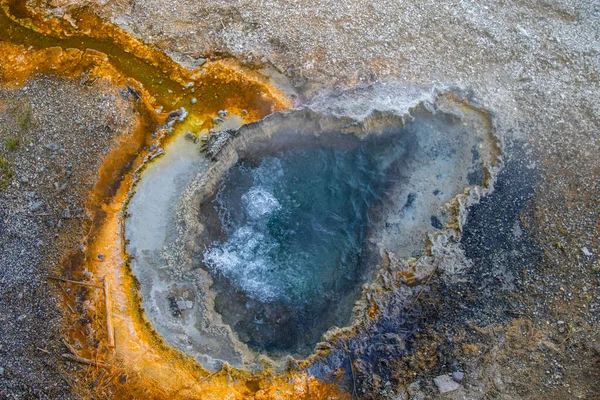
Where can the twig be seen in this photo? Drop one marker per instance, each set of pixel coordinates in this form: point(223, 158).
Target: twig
point(69, 347)
point(56, 278)
point(109, 324)
point(85, 360)
point(209, 376)
point(43, 350)
point(353, 375)
point(98, 379)
point(422, 289)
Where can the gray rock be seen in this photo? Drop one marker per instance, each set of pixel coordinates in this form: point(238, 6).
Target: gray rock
point(192, 137)
point(217, 120)
point(36, 206)
point(414, 388)
point(194, 100)
point(1, 371)
point(181, 304)
point(223, 113)
point(586, 252)
point(458, 376)
point(24, 179)
point(445, 384)
point(52, 146)
point(101, 257)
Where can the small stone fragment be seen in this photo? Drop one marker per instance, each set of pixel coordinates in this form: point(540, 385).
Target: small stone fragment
point(458, 376)
point(194, 100)
point(445, 384)
point(36, 206)
point(101, 257)
point(586, 252)
point(181, 304)
point(190, 136)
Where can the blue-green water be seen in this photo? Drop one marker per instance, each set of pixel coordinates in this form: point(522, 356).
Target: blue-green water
point(289, 253)
point(295, 223)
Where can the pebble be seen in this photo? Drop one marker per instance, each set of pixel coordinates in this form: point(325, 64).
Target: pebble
point(217, 120)
point(101, 257)
point(1, 371)
point(194, 100)
point(192, 137)
point(52, 146)
point(36, 206)
point(223, 113)
point(445, 384)
point(24, 179)
point(586, 252)
point(458, 376)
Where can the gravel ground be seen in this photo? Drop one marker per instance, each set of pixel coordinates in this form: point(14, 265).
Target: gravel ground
point(534, 65)
point(63, 129)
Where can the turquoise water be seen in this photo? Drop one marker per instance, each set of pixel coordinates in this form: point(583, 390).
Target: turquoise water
point(291, 243)
point(295, 223)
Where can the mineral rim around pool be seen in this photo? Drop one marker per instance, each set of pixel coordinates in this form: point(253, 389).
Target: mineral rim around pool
point(263, 242)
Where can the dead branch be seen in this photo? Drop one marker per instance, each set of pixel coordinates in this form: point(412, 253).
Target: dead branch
point(69, 347)
point(85, 360)
point(109, 324)
point(98, 379)
point(56, 278)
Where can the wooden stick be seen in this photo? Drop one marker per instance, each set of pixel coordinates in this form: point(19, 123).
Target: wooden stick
point(69, 347)
point(109, 324)
point(98, 379)
point(56, 278)
point(85, 360)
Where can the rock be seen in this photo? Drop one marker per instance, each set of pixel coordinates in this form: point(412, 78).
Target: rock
point(414, 388)
point(181, 304)
point(192, 137)
point(189, 304)
point(101, 257)
point(223, 113)
point(217, 120)
point(66, 214)
point(52, 146)
point(194, 100)
point(586, 252)
point(458, 376)
point(1, 371)
point(36, 206)
point(24, 179)
point(445, 384)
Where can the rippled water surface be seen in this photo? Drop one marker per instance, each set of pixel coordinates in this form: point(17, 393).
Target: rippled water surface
point(292, 235)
